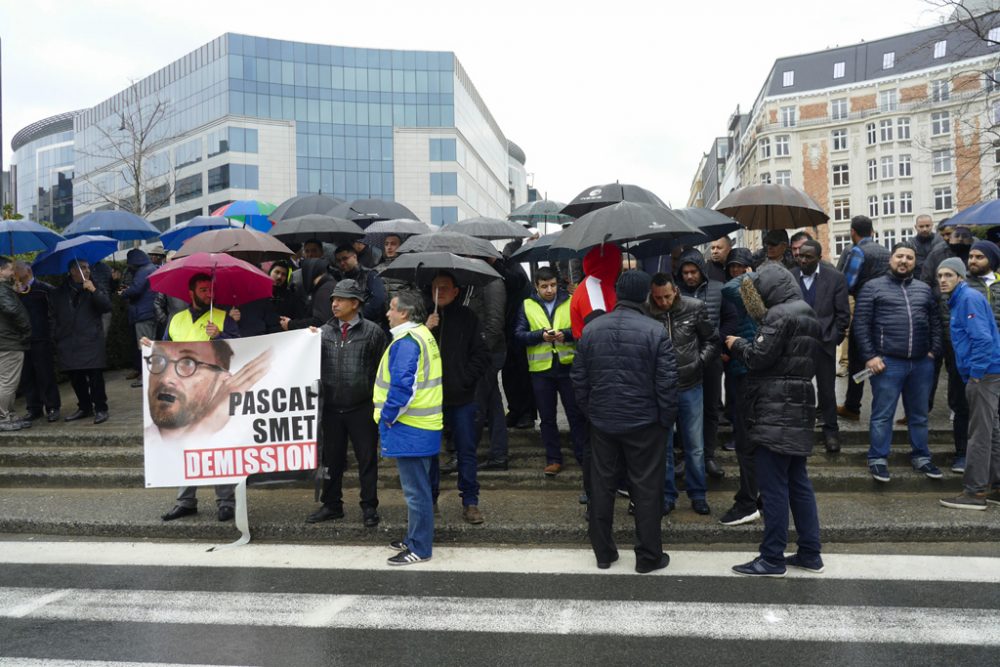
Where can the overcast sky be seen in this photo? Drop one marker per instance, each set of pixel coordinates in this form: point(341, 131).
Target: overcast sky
point(593, 92)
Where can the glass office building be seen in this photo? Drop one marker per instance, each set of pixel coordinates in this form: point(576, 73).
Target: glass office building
point(256, 118)
point(42, 170)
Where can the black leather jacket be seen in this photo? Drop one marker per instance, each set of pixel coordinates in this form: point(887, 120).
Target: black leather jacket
point(695, 338)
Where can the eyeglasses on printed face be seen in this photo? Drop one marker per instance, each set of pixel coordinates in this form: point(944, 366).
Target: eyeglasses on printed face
point(184, 367)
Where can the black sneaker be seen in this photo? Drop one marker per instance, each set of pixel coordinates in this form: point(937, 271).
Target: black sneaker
point(739, 515)
point(406, 558)
point(370, 517)
point(493, 464)
point(398, 545)
point(700, 506)
point(759, 567)
point(795, 560)
point(930, 470)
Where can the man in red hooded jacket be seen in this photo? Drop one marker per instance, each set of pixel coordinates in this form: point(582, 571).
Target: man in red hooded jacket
point(595, 294)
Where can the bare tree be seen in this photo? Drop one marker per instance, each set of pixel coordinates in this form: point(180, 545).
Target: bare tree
point(133, 175)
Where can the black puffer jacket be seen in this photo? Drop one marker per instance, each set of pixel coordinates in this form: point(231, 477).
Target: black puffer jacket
point(695, 338)
point(625, 372)
point(708, 291)
point(781, 402)
point(15, 325)
point(489, 303)
point(897, 317)
point(348, 368)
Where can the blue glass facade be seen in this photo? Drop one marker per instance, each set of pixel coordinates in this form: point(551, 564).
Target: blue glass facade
point(43, 178)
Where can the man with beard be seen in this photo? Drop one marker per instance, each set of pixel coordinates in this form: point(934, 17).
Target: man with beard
point(984, 260)
point(925, 241)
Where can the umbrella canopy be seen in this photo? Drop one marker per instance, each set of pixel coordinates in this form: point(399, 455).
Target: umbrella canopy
point(599, 196)
point(244, 243)
point(321, 227)
point(421, 268)
point(174, 238)
point(120, 225)
point(712, 224)
point(540, 210)
point(986, 213)
point(622, 222)
point(402, 227)
point(453, 242)
point(250, 212)
point(366, 211)
point(490, 229)
point(17, 236)
point(87, 248)
point(234, 281)
point(772, 206)
point(541, 250)
point(304, 205)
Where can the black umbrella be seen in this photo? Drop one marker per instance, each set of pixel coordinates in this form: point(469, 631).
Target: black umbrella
point(772, 206)
point(623, 222)
point(490, 229)
point(453, 242)
point(366, 211)
point(421, 268)
point(600, 196)
point(713, 224)
point(321, 227)
point(541, 250)
point(304, 205)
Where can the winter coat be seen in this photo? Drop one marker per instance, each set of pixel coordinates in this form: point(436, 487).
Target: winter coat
point(595, 295)
point(874, 260)
point(707, 290)
point(139, 295)
point(625, 372)
point(924, 249)
point(392, 286)
point(38, 302)
point(897, 317)
point(348, 368)
point(695, 338)
point(257, 318)
point(370, 281)
point(404, 440)
point(489, 303)
point(79, 333)
point(312, 302)
point(283, 301)
point(928, 270)
point(15, 324)
point(165, 306)
point(464, 357)
point(974, 334)
point(992, 293)
point(742, 325)
point(780, 399)
point(369, 257)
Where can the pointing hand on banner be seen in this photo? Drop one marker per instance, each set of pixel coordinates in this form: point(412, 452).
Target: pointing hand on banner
point(242, 380)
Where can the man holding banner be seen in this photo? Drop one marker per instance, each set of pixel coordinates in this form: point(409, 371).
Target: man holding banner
point(408, 396)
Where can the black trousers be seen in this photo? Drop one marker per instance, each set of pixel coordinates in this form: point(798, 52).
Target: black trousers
point(517, 384)
point(826, 386)
point(957, 403)
point(89, 387)
point(357, 426)
point(38, 378)
point(855, 364)
point(641, 455)
point(712, 388)
point(747, 493)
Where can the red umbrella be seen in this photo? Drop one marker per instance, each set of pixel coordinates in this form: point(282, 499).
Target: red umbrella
point(234, 281)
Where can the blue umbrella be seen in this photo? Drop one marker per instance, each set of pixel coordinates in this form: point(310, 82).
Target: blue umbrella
point(80, 248)
point(17, 236)
point(986, 214)
point(120, 225)
point(173, 238)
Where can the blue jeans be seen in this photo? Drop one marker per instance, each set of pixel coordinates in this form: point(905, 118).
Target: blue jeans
point(461, 419)
point(415, 478)
point(912, 378)
point(784, 483)
point(689, 416)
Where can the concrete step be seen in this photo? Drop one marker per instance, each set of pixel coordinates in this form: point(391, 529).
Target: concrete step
point(520, 516)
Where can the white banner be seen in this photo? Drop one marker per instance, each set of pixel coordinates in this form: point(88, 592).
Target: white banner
point(217, 411)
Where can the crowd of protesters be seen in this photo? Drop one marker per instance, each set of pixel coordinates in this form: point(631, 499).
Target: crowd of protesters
point(646, 365)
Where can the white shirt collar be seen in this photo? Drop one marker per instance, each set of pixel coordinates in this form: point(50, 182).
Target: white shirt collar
point(400, 329)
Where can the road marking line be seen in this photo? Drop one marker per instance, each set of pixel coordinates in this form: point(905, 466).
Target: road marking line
point(37, 662)
point(32, 604)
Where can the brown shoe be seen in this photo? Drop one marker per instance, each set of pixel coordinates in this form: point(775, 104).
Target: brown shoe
point(901, 421)
point(472, 515)
point(553, 469)
point(848, 414)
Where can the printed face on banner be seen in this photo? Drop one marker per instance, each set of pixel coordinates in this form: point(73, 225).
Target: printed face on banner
point(217, 411)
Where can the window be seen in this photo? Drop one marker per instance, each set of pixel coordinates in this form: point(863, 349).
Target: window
point(872, 135)
point(940, 90)
point(787, 116)
point(838, 108)
point(888, 60)
point(239, 176)
point(942, 199)
point(888, 100)
point(993, 36)
point(839, 140)
point(872, 170)
point(444, 183)
point(906, 203)
point(218, 143)
point(888, 238)
point(889, 204)
point(187, 188)
point(788, 79)
point(187, 153)
point(873, 206)
point(442, 150)
point(444, 215)
point(781, 145)
point(841, 174)
point(992, 80)
point(904, 166)
point(841, 209)
point(940, 123)
point(903, 129)
point(765, 178)
point(940, 48)
point(995, 112)
point(838, 70)
point(941, 161)
point(187, 215)
point(907, 232)
point(841, 243)
point(763, 149)
point(887, 166)
point(243, 140)
point(996, 152)
point(218, 178)
point(783, 177)
point(885, 129)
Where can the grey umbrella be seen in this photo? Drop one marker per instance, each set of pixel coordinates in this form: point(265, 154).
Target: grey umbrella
point(624, 222)
point(421, 268)
point(490, 229)
point(772, 206)
point(453, 242)
point(304, 205)
point(320, 227)
point(540, 250)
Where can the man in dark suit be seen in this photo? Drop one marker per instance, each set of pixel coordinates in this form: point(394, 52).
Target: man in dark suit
point(825, 289)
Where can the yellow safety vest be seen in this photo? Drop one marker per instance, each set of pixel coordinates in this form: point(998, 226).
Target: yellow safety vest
point(540, 355)
point(184, 329)
point(424, 411)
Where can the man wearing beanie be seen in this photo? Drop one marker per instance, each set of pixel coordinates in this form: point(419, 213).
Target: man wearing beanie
point(625, 380)
point(984, 261)
point(976, 342)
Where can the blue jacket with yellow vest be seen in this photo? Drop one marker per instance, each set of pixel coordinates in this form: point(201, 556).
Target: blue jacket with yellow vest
point(530, 336)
